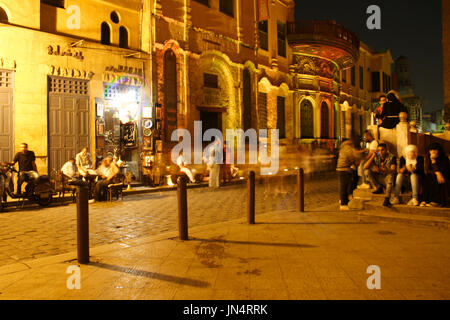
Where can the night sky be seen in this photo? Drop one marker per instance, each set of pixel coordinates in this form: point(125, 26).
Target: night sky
point(409, 28)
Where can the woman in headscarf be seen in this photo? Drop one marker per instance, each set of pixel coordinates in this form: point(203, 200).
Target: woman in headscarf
point(410, 173)
point(437, 176)
point(391, 110)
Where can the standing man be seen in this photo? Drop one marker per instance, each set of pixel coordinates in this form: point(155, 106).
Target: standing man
point(380, 170)
point(378, 111)
point(27, 166)
point(83, 160)
point(348, 156)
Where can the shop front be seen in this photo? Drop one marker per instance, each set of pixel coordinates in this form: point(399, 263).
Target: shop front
point(122, 127)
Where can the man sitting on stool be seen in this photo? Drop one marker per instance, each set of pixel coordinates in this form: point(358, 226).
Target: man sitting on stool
point(380, 170)
point(106, 172)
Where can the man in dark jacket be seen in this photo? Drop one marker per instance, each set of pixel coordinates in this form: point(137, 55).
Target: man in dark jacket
point(391, 111)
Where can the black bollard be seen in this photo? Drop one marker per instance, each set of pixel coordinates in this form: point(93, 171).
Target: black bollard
point(83, 223)
point(251, 198)
point(182, 209)
point(300, 190)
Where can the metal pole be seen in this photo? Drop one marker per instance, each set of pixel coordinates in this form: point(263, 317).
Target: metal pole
point(182, 209)
point(300, 190)
point(251, 198)
point(83, 224)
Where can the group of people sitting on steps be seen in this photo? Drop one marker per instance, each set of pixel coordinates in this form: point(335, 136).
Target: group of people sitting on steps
point(427, 177)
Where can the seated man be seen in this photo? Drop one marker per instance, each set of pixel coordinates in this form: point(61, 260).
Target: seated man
point(70, 169)
point(182, 164)
point(83, 160)
point(27, 166)
point(380, 170)
point(410, 173)
point(106, 172)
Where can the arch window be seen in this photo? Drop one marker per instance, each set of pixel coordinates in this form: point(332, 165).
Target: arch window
point(3, 16)
point(105, 34)
point(307, 119)
point(247, 100)
point(324, 124)
point(123, 37)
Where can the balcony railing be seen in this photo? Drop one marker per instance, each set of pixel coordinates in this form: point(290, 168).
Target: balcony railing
point(325, 34)
point(328, 29)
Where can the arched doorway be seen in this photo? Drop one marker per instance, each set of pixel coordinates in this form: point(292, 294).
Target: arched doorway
point(324, 121)
point(306, 119)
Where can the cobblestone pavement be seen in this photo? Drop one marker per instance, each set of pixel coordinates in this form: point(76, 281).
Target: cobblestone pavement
point(34, 233)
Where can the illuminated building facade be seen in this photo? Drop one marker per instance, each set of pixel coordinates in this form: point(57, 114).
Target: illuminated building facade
point(72, 74)
point(121, 78)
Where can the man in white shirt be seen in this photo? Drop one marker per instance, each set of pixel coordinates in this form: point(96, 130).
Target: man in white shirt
point(83, 161)
point(106, 172)
point(69, 168)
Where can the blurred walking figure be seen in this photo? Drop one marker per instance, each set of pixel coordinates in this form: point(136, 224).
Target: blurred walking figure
point(227, 163)
point(213, 155)
point(410, 174)
point(348, 156)
point(181, 162)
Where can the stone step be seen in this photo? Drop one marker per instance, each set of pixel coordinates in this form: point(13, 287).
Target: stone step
point(367, 195)
point(404, 209)
point(416, 219)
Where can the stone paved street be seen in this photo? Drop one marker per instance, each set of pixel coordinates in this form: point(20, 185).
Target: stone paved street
point(34, 233)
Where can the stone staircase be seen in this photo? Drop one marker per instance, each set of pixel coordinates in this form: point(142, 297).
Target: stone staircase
point(370, 207)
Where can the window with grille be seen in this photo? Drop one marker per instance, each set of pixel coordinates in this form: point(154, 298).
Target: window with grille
point(375, 81)
point(263, 30)
point(361, 78)
point(281, 121)
point(210, 80)
point(6, 79)
point(204, 2)
point(281, 31)
point(262, 110)
point(227, 7)
point(117, 91)
point(353, 76)
point(54, 3)
point(68, 86)
point(306, 119)
point(344, 76)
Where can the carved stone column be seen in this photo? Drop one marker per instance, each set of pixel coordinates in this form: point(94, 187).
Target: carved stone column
point(402, 131)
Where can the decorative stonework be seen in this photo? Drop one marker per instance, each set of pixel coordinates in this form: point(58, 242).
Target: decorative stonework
point(69, 72)
point(8, 64)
